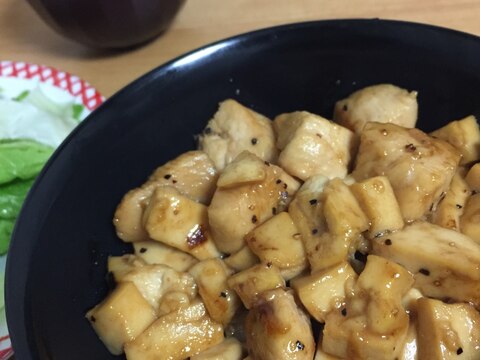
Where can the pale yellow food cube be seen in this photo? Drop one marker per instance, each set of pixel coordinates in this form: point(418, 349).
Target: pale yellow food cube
point(242, 259)
point(155, 252)
point(449, 210)
point(235, 128)
point(473, 178)
point(377, 199)
point(323, 291)
point(245, 168)
point(178, 221)
point(121, 317)
point(251, 282)
point(235, 211)
point(220, 300)
point(119, 266)
point(278, 242)
point(470, 220)
point(229, 349)
point(312, 145)
point(177, 336)
point(383, 103)
point(447, 331)
point(464, 135)
point(432, 253)
point(342, 211)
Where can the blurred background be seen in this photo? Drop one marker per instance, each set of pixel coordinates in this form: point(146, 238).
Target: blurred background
point(25, 37)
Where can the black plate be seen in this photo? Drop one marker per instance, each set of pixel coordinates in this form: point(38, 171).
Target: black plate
point(57, 261)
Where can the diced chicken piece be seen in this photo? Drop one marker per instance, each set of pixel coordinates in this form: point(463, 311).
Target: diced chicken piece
point(473, 178)
point(322, 355)
point(342, 211)
point(447, 331)
point(384, 103)
point(324, 291)
point(450, 208)
point(312, 145)
point(177, 336)
point(379, 203)
point(306, 211)
point(235, 128)
point(119, 266)
point(277, 241)
point(374, 324)
point(464, 135)
point(242, 259)
point(433, 254)
point(419, 168)
point(129, 213)
point(156, 281)
point(154, 252)
point(470, 220)
point(229, 349)
point(250, 283)
point(220, 300)
point(329, 220)
point(236, 210)
point(277, 329)
point(247, 168)
point(121, 317)
point(192, 174)
point(180, 222)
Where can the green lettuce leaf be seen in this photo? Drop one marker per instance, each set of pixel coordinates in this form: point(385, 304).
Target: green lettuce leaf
point(12, 196)
point(22, 159)
point(6, 228)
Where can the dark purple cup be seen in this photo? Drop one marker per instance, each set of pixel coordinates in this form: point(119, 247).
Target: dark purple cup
point(108, 23)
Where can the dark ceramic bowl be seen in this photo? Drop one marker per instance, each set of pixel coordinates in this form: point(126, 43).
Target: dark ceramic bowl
point(57, 260)
point(108, 23)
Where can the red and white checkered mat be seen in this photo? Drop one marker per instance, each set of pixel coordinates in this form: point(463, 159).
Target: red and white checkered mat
point(78, 88)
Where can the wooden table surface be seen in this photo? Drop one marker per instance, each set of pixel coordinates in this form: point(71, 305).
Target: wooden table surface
point(24, 37)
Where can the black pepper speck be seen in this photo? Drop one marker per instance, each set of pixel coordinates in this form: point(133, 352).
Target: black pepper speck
point(300, 346)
